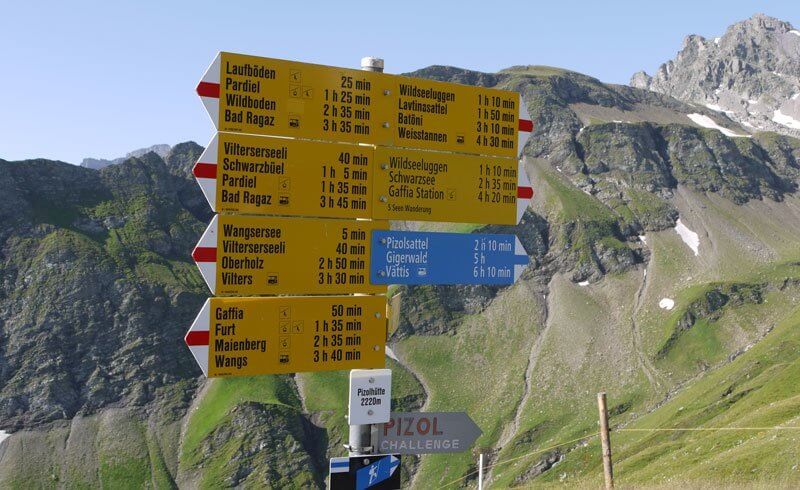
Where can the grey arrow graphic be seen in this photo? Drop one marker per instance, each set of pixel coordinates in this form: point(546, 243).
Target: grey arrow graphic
point(427, 433)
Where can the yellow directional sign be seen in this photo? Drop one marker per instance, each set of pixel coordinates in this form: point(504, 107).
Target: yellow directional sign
point(285, 98)
point(452, 117)
point(252, 255)
point(433, 186)
point(252, 336)
point(242, 173)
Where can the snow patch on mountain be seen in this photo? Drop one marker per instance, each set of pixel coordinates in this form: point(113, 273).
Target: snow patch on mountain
point(707, 122)
point(785, 119)
point(690, 238)
point(666, 303)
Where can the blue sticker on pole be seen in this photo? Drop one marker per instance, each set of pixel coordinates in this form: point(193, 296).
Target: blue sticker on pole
point(415, 258)
point(372, 471)
point(339, 465)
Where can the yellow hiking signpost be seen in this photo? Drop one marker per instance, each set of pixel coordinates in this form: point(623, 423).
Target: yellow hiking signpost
point(267, 96)
point(242, 173)
point(252, 336)
point(251, 255)
point(433, 186)
point(302, 100)
point(451, 117)
point(308, 165)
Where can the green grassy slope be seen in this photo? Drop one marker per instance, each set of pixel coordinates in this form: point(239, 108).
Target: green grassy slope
point(115, 449)
point(697, 361)
point(479, 370)
point(758, 391)
point(223, 395)
point(589, 344)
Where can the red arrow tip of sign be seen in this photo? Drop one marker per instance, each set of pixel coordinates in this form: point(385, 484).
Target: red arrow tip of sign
point(204, 254)
point(205, 170)
point(206, 89)
point(526, 125)
point(524, 192)
point(196, 337)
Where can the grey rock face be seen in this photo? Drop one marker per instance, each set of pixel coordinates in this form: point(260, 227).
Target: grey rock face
point(438, 310)
point(457, 75)
point(752, 73)
point(656, 158)
point(94, 295)
point(160, 150)
point(626, 172)
point(98, 163)
point(271, 446)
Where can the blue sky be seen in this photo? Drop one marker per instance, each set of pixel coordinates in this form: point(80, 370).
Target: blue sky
point(100, 79)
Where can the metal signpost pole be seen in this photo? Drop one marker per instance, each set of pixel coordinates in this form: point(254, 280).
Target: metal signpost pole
point(369, 63)
point(360, 441)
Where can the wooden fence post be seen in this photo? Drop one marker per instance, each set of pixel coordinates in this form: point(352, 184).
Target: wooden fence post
point(605, 441)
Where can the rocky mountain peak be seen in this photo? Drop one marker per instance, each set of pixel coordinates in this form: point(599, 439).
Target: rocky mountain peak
point(763, 22)
point(90, 261)
point(161, 150)
point(751, 73)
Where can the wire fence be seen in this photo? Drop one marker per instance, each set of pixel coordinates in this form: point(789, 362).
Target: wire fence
point(698, 429)
point(506, 461)
point(621, 429)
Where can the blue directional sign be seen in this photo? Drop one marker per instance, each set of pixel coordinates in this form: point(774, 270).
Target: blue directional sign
point(409, 257)
point(376, 472)
point(373, 472)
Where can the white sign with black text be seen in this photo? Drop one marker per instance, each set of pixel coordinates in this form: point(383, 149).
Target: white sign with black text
point(370, 396)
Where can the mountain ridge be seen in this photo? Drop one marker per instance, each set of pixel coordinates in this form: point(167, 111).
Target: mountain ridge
point(49, 220)
point(751, 73)
point(161, 150)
